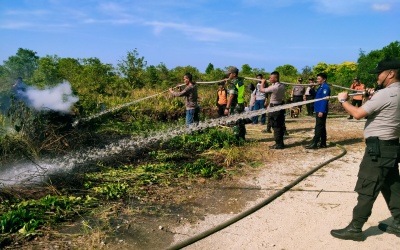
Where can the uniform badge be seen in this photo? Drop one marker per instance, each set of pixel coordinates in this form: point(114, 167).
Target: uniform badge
point(325, 91)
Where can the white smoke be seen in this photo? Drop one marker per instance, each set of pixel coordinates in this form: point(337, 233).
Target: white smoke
point(58, 98)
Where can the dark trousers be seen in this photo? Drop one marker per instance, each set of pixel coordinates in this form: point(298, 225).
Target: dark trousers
point(239, 127)
point(298, 98)
point(310, 106)
point(277, 121)
point(221, 109)
point(357, 103)
point(375, 176)
point(320, 129)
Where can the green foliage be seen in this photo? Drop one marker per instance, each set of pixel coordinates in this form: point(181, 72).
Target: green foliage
point(210, 138)
point(287, 71)
point(47, 73)
point(23, 64)
point(210, 68)
point(204, 167)
point(132, 68)
point(321, 67)
point(112, 190)
point(367, 62)
point(26, 216)
point(246, 70)
point(345, 73)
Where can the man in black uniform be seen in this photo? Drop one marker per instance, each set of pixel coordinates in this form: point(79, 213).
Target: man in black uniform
point(379, 169)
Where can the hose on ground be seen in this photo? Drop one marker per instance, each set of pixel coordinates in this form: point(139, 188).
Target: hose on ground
point(253, 209)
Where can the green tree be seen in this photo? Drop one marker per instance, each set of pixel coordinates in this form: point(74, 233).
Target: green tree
point(152, 78)
point(331, 72)
point(246, 70)
point(133, 69)
point(345, 72)
point(321, 67)
point(47, 73)
point(306, 73)
point(23, 64)
point(367, 62)
point(256, 71)
point(96, 81)
point(69, 69)
point(287, 72)
point(209, 69)
point(176, 74)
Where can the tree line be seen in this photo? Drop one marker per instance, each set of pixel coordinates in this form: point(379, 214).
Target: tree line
point(93, 80)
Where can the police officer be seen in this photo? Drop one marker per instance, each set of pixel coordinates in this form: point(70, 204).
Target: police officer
point(276, 118)
point(235, 103)
point(321, 110)
point(379, 170)
point(297, 93)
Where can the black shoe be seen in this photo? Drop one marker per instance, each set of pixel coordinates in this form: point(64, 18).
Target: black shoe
point(350, 117)
point(322, 145)
point(392, 229)
point(277, 146)
point(311, 146)
point(266, 131)
point(348, 233)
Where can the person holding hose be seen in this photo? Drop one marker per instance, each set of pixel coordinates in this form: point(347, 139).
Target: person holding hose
point(379, 167)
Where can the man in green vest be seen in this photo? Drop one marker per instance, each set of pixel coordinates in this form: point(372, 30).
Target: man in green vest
point(235, 104)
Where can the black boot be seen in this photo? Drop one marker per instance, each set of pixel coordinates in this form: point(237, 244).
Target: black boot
point(352, 232)
point(313, 145)
point(322, 145)
point(277, 145)
point(394, 228)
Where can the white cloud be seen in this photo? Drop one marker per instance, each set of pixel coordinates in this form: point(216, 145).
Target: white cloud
point(381, 7)
point(352, 6)
point(15, 25)
point(196, 33)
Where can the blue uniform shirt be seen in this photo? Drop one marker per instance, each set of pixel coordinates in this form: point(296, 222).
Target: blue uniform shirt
point(323, 91)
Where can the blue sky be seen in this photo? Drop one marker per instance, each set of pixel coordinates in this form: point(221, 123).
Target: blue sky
point(261, 33)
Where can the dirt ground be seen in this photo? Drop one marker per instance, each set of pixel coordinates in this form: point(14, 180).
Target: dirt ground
point(302, 217)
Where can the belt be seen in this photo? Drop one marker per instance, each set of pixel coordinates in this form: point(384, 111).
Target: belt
point(393, 142)
point(273, 105)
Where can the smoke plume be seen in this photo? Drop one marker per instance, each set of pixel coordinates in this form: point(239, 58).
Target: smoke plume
point(58, 98)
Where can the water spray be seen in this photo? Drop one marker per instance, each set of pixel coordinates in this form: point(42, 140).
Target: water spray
point(72, 160)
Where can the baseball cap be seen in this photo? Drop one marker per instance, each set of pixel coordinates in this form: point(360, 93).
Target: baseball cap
point(386, 64)
point(356, 79)
point(311, 79)
point(300, 79)
point(232, 70)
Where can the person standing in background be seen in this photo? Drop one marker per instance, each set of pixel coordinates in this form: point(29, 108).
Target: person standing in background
point(310, 95)
point(298, 92)
point(259, 101)
point(357, 100)
point(321, 109)
point(221, 99)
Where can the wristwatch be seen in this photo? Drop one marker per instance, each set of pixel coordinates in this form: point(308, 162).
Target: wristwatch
point(342, 100)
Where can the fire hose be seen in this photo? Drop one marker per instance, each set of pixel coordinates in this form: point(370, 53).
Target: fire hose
point(253, 209)
point(76, 122)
